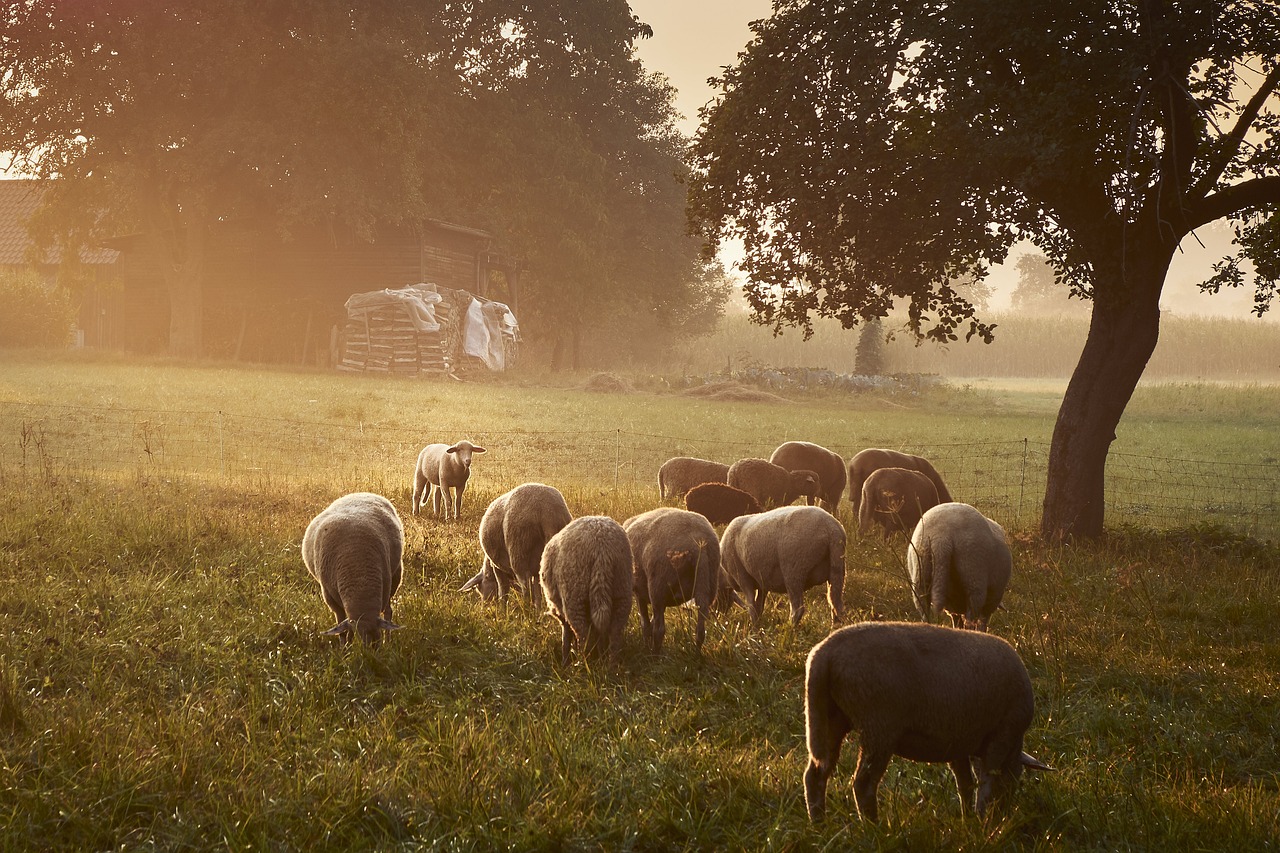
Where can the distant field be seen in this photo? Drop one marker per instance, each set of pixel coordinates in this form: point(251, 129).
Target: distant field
point(163, 683)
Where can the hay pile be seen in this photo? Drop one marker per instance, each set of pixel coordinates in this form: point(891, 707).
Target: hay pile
point(607, 383)
point(733, 392)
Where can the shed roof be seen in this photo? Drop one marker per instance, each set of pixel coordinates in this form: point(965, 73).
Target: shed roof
point(19, 199)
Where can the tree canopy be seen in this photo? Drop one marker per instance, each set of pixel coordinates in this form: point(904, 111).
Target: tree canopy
point(532, 119)
point(872, 150)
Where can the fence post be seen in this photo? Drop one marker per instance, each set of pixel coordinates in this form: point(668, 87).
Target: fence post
point(1022, 485)
point(222, 448)
point(617, 460)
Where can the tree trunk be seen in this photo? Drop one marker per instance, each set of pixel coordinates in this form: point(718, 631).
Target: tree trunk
point(185, 278)
point(1122, 335)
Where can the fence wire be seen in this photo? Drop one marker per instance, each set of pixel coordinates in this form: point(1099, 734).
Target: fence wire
point(1005, 479)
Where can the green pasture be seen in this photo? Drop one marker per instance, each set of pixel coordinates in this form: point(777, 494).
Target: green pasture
point(163, 683)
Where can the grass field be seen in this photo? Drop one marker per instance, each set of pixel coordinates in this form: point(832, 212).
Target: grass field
point(163, 683)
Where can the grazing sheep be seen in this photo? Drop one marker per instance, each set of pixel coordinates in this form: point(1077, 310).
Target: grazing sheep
point(354, 549)
point(925, 693)
point(445, 468)
point(772, 485)
point(895, 498)
point(720, 503)
point(513, 532)
point(786, 550)
point(676, 557)
point(677, 476)
point(587, 579)
point(959, 561)
point(871, 459)
point(828, 465)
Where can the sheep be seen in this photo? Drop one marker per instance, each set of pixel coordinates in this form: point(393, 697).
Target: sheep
point(445, 468)
point(959, 561)
point(587, 580)
point(513, 532)
point(828, 465)
point(894, 498)
point(923, 692)
point(720, 503)
point(353, 548)
point(871, 459)
point(676, 557)
point(772, 484)
point(786, 550)
point(677, 476)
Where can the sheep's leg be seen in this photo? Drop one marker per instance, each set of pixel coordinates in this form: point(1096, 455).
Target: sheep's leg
point(659, 627)
point(646, 625)
point(823, 763)
point(419, 488)
point(566, 639)
point(435, 499)
point(964, 783)
point(757, 604)
point(866, 779)
point(457, 500)
point(835, 596)
point(700, 628)
point(796, 597)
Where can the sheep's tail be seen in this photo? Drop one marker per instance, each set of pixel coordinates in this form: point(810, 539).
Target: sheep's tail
point(940, 551)
point(817, 699)
point(600, 595)
point(866, 513)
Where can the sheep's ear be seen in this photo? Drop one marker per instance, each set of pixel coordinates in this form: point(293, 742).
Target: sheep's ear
point(388, 626)
point(341, 628)
point(473, 583)
point(453, 449)
point(478, 450)
point(1033, 763)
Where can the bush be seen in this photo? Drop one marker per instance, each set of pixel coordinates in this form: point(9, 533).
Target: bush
point(35, 314)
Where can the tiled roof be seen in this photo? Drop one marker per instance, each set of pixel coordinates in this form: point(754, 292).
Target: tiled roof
point(18, 200)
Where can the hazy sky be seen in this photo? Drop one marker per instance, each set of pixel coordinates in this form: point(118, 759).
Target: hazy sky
point(694, 39)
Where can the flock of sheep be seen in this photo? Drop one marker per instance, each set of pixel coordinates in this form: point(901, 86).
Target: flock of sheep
point(924, 692)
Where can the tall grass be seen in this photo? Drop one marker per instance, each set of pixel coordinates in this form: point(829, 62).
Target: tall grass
point(163, 683)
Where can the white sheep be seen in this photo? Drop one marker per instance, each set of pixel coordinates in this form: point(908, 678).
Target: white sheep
point(513, 533)
point(786, 550)
point(445, 468)
point(959, 561)
point(353, 548)
point(587, 580)
point(676, 557)
point(925, 693)
point(677, 476)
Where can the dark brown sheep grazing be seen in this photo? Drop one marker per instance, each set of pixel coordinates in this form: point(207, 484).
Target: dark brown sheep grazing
point(895, 498)
point(922, 692)
point(677, 476)
point(676, 558)
point(772, 485)
point(720, 503)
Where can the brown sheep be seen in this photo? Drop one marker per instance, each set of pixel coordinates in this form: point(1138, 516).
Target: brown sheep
point(677, 558)
point(828, 465)
point(895, 498)
point(866, 461)
point(925, 693)
point(720, 503)
point(677, 476)
point(772, 485)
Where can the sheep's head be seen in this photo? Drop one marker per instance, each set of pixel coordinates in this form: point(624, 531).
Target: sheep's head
point(484, 582)
point(369, 630)
point(463, 450)
point(804, 483)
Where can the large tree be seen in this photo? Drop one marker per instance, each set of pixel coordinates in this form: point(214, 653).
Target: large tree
point(867, 150)
point(531, 117)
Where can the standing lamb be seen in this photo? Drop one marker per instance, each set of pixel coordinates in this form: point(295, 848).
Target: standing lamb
point(720, 503)
point(587, 579)
point(922, 692)
point(354, 549)
point(677, 476)
point(786, 550)
point(772, 485)
point(871, 459)
point(444, 468)
point(513, 533)
point(828, 465)
point(959, 561)
point(676, 558)
point(895, 498)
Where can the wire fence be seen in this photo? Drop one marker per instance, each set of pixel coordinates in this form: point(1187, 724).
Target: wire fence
point(1004, 479)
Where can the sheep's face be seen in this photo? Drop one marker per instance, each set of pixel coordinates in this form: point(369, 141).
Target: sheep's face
point(484, 582)
point(463, 450)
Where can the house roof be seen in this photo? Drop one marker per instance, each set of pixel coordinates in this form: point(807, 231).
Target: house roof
point(19, 199)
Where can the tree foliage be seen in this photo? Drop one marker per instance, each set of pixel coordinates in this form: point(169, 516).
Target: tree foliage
point(1038, 291)
point(870, 150)
point(531, 118)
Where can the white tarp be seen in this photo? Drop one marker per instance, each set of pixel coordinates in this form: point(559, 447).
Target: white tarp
point(419, 300)
point(483, 330)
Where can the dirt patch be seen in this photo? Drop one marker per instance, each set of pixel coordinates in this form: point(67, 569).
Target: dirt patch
point(607, 383)
point(733, 392)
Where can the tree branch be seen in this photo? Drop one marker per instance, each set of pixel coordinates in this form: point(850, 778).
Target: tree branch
point(1258, 192)
point(1236, 137)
